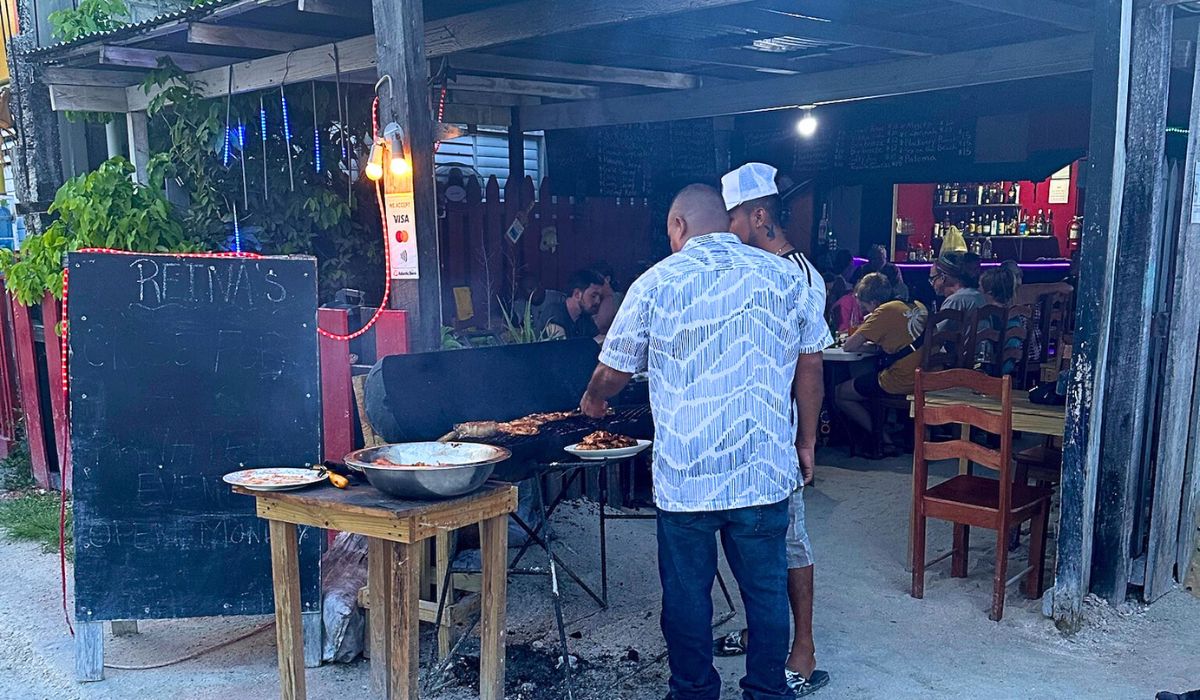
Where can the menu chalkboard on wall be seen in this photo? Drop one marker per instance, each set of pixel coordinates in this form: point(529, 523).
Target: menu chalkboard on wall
point(631, 160)
point(183, 369)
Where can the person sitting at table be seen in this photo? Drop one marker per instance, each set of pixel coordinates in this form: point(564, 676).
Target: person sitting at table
point(892, 273)
point(954, 278)
point(896, 328)
point(569, 315)
point(877, 257)
point(999, 287)
point(846, 314)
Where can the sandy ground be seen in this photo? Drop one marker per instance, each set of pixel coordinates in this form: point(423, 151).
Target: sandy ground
point(873, 638)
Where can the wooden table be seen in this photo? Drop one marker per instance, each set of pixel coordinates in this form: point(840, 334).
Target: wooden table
point(840, 355)
point(394, 531)
point(1028, 417)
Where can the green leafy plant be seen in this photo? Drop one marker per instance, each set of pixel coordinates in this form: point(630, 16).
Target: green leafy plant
point(519, 329)
point(450, 339)
point(88, 17)
point(104, 208)
point(16, 470)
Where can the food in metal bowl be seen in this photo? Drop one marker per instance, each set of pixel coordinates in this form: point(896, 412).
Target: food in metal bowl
point(427, 470)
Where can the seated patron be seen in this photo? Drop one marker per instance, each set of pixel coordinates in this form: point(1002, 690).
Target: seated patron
point(896, 329)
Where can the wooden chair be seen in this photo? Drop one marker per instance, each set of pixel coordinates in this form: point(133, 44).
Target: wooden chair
point(948, 340)
point(1002, 338)
point(967, 500)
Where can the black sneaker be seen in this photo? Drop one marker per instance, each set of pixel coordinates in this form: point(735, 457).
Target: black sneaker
point(802, 686)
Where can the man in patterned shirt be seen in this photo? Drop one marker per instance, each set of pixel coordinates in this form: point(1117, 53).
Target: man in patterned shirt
point(752, 197)
point(720, 327)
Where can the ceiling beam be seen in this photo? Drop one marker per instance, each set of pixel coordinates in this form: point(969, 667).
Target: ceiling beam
point(904, 76)
point(537, 88)
point(490, 99)
point(52, 75)
point(149, 58)
point(477, 115)
point(781, 24)
point(79, 98)
point(1059, 14)
point(250, 38)
point(536, 68)
point(338, 8)
point(532, 19)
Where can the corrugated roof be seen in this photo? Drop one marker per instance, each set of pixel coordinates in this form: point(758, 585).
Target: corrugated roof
point(197, 11)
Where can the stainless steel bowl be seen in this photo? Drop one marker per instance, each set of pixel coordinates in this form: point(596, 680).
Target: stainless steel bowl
point(428, 470)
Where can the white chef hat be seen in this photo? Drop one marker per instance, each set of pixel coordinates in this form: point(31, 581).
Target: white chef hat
point(751, 181)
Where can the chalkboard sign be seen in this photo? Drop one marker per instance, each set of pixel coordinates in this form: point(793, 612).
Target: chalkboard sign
point(631, 160)
point(183, 369)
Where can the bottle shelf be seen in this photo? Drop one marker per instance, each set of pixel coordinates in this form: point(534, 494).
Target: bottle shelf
point(976, 206)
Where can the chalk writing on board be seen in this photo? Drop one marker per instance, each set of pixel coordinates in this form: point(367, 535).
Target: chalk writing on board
point(164, 283)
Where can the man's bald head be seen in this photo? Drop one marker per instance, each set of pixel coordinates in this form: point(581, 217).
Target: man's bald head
point(697, 210)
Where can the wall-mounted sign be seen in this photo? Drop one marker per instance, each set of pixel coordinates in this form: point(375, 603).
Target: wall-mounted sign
point(1060, 187)
point(402, 235)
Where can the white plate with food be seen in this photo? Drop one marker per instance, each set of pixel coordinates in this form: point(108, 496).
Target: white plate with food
point(275, 479)
point(605, 445)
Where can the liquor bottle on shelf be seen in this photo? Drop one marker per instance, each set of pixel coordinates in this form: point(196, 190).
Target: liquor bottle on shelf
point(962, 194)
point(979, 190)
point(985, 249)
point(994, 229)
point(824, 232)
point(1023, 225)
point(1049, 222)
point(1039, 224)
point(972, 226)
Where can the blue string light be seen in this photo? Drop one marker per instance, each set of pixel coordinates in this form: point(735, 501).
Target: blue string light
point(317, 147)
point(225, 158)
point(262, 117)
point(287, 125)
point(237, 232)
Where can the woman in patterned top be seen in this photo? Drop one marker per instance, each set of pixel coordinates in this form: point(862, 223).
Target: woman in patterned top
point(895, 328)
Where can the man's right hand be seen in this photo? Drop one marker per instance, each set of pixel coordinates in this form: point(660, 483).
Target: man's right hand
point(808, 463)
point(592, 406)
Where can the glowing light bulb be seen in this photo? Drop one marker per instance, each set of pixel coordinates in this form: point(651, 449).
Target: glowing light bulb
point(374, 169)
point(807, 125)
point(399, 164)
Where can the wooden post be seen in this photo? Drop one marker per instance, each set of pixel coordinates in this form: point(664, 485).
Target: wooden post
point(31, 402)
point(1134, 282)
point(89, 651)
point(285, 570)
point(1085, 400)
point(516, 147)
point(400, 47)
point(379, 568)
point(1170, 522)
point(493, 540)
point(139, 144)
point(405, 624)
point(337, 395)
point(443, 558)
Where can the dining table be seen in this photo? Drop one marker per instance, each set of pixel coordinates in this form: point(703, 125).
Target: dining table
point(1027, 416)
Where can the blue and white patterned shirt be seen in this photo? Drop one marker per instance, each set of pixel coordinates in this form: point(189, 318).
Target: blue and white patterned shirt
point(719, 327)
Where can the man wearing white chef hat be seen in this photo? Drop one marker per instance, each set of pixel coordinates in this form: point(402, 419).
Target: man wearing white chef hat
point(752, 199)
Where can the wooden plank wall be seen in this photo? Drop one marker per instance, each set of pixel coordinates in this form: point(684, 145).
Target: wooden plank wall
point(476, 253)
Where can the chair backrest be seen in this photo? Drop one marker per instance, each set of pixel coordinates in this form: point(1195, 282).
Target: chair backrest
point(1054, 318)
point(966, 398)
point(948, 343)
point(1002, 339)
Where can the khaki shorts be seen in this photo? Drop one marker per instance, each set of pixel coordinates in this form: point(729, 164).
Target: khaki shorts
point(799, 549)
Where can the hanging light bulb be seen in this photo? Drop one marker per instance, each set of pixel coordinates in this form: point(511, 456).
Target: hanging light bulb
point(398, 165)
point(807, 125)
point(374, 168)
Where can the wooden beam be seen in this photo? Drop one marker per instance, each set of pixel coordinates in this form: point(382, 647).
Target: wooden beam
point(400, 48)
point(1093, 306)
point(1059, 14)
point(1171, 495)
point(535, 68)
point(78, 98)
point(531, 19)
point(339, 8)
point(782, 24)
point(1134, 283)
point(92, 78)
point(477, 115)
point(903, 76)
point(537, 88)
point(139, 145)
point(250, 38)
point(149, 58)
point(490, 99)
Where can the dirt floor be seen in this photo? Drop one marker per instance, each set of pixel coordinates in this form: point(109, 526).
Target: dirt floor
point(873, 638)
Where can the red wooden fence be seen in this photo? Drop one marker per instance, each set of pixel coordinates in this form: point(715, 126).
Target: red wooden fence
point(476, 254)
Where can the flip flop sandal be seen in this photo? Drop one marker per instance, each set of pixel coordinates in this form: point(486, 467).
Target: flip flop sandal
point(802, 686)
point(732, 644)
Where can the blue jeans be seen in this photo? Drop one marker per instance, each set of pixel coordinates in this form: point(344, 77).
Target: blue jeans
point(754, 544)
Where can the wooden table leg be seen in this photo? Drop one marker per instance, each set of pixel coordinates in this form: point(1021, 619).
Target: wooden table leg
point(285, 570)
point(405, 614)
point(444, 553)
point(379, 573)
point(494, 552)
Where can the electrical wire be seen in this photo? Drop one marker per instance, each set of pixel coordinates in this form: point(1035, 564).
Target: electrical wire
point(195, 654)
